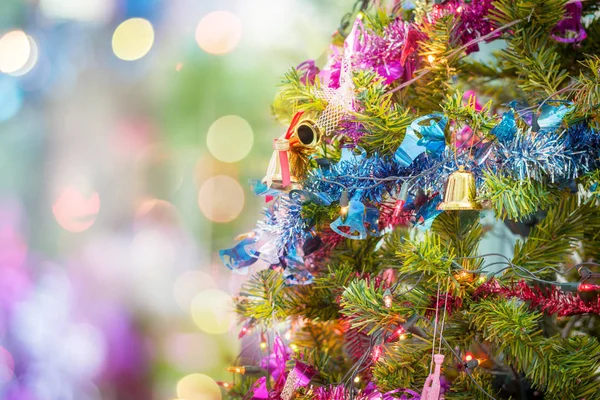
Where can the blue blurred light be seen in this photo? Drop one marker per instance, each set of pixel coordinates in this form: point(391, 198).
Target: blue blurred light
point(11, 98)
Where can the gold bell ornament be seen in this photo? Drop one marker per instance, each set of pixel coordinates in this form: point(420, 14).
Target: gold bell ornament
point(291, 154)
point(460, 192)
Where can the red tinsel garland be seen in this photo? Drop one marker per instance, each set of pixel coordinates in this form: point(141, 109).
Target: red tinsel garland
point(550, 299)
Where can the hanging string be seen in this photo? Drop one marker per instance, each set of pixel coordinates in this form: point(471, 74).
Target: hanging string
point(437, 307)
point(444, 316)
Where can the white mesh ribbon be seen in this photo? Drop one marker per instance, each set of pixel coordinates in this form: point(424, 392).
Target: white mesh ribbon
point(340, 101)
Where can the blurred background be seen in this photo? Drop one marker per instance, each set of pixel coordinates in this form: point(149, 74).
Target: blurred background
point(128, 132)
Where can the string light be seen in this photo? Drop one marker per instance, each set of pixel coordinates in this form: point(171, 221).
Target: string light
point(244, 369)
point(399, 334)
point(244, 331)
point(468, 357)
point(430, 58)
point(357, 379)
point(236, 370)
point(344, 203)
point(225, 385)
point(388, 298)
point(263, 341)
point(400, 203)
point(377, 350)
point(588, 287)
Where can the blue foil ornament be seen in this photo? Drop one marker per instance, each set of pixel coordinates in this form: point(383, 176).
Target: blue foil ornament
point(432, 135)
point(352, 154)
point(372, 221)
point(260, 188)
point(303, 196)
point(506, 130)
point(408, 150)
point(240, 256)
point(354, 221)
point(431, 139)
point(552, 114)
point(299, 278)
point(428, 212)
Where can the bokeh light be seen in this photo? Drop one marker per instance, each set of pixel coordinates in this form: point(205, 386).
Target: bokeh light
point(15, 50)
point(151, 250)
point(190, 283)
point(212, 311)
point(74, 211)
point(31, 61)
point(7, 365)
point(11, 98)
point(198, 387)
point(191, 352)
point(219, 32)
point(133, 39)
point(221, 198)
point(230, 138)
point(88, 10)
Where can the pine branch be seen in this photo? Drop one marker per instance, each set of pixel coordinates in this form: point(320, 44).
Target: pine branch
point(480, 121)
point(364, 308)
point(264, 297)
point(402, 366)
point(529, 54)
point(513, 331)
point(514, 199)
point(383, 119)
point(437, 83)
point(587, 89)
point(426, 255)
point(552, 240)
point(464, 388)
point(460, 231)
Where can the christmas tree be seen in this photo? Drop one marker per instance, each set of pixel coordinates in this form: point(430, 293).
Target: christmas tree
point(394, 149)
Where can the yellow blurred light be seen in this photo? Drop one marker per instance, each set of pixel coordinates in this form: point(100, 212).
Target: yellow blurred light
point(294, 347)
point(219, 32)
point(15, 51)
point(212, 311)
point(133, 39)
point(190, 283)
point(221, 198)
point(229, 138)
point(198, 387)
point(357, 379)
point(74, 211)
point(430, 58)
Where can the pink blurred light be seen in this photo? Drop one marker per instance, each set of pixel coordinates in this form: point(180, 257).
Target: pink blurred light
point(75, 212)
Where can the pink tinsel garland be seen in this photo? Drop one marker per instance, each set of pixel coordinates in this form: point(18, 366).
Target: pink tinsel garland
point(550, 300)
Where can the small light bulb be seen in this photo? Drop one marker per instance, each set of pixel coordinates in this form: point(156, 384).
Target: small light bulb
point(263, 341)
point(376, 353)
point(357, 379)
point(468, 357)
point(294, 347)
point(288, 335)
point(402, 336)
point(430, 58)
point(388, 298)
point(236, 370)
